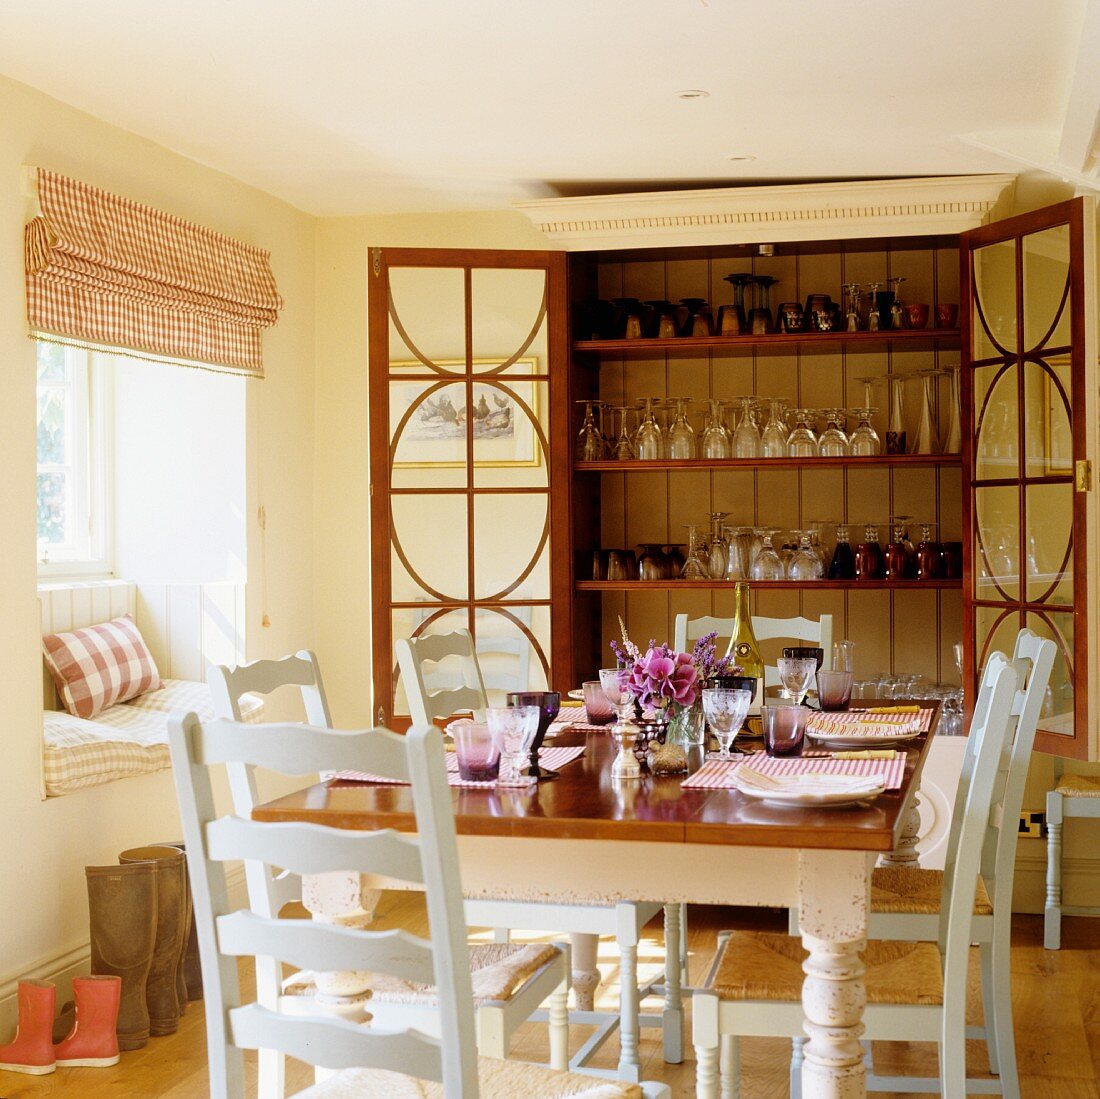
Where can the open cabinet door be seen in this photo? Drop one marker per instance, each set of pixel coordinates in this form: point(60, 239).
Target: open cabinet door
point(1029, 425)
point(466, 350)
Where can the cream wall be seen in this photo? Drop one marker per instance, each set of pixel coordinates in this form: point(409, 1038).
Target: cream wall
point(47, 844)
point(342, 596)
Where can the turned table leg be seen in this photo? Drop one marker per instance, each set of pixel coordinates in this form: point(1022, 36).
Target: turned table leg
point(586, 974)
point(905, 853)
point(834, 889)
point(672, 1023)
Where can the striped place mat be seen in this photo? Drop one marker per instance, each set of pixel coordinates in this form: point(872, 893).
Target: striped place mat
point(576, 717)
point(550, 758)
point(716, 774)
point(920, 722)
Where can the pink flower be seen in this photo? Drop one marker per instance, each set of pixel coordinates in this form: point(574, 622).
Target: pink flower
point(662, 679)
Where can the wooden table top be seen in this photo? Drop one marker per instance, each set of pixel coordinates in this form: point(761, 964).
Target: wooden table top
point(584, 803)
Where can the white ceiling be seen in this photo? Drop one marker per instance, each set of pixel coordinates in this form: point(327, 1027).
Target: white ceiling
point(362, 106)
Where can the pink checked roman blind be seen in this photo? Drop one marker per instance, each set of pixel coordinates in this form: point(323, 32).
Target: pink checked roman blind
point(103, 271)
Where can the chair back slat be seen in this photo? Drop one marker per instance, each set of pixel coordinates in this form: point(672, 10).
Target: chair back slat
point(283, 748)
point(261, 677)
point(314, 848)
point(426, 705)
point(992, 733)
point(337, 1044)
point(452, 1060)
point(324, 947)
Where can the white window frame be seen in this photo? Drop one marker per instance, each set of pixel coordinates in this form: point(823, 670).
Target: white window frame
point(91, 553)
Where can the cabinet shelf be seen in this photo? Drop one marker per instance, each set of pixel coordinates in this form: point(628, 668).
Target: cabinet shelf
point(781, 585)
point(701, 345)
point(638, 466)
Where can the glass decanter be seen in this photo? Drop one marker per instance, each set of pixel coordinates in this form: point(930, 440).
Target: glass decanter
point(649, 443)
point(774, 438)
point(591, 445)
point(804, 564)
point(868, 557)
point(746, 439)
point(928, 554)
point(767, 565)
point(695, 567)
point(833, 442)
point(898, 560)
point(802, 442)
point(843, 564)
point(717, 555)
point(716, 439)
point(681, 436)
point(864, 441)
point(926, 429)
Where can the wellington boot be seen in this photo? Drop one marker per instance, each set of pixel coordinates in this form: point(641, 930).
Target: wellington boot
point(160, 990)
point(92, 1043)
point(63, 1024)
point(189, 974)
point(31, 1050)
point(122, 913)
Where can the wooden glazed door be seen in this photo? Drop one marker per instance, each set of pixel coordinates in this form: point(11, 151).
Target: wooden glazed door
point(1027, 419)
point(463, 347)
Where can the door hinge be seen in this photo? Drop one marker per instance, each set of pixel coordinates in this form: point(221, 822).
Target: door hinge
point(1083, 475)
point(376, 261)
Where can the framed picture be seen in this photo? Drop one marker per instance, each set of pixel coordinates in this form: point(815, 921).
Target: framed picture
point(434, 435)
point(1057, 427)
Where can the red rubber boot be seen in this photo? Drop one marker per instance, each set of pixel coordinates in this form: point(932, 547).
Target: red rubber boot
point(31, 1050)
point(92, 1043)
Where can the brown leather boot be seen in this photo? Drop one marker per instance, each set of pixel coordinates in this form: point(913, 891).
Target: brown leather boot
point(160, 990)
point(122, 916)
point(189, 973)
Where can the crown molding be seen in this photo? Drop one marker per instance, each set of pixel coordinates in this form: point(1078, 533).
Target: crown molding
point(749, 215)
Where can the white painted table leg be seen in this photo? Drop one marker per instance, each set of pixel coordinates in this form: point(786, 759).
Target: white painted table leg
point(905, 853)
point(834, 893)
point(672, 1022)
point(340, 898)
point(586, 974)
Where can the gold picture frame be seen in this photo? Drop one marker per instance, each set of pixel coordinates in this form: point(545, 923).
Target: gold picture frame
point(504, 433)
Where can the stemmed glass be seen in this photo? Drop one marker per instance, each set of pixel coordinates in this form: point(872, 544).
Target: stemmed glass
point(716, 439)
point(766, 565)
point(774, 437)
point(649, 443)
point(695, 567)
point(852, 295)
point(926, 429)
point(726, 711)
point(796, 673)
point(952, 437)
point(622, 701)
point(746, 439)
point(805, 564)
point(591, 445)
point(624, 448)
point(833, 442)
point(736, 550)
point(513, 729)
point(864, 441)
point(681, 436)
point(895, 422)
point(717, 555)
point(802, 442)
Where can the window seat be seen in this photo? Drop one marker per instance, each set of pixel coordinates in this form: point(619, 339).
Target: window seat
point(124, 740)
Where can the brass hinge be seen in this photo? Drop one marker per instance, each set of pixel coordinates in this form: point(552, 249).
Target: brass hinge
point(376, 261)
point(381, 716)
point(1083, 475)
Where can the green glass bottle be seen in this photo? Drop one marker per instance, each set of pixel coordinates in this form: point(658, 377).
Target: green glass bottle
point(743, 644)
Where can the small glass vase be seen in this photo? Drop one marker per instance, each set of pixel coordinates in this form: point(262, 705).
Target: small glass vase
point(668, 756)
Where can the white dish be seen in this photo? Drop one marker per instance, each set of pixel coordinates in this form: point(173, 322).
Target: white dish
point(577, 694)
point(856, 740)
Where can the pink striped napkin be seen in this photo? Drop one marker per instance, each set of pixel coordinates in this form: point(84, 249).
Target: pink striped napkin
point(892, 723)
point(577, 718)
point(551, 758)
point(716, 774)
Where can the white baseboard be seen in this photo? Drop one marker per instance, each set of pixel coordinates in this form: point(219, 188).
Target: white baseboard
point(73, 961)
point(1080, 881)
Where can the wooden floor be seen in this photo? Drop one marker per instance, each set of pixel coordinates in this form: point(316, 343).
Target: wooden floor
point(1056, 996)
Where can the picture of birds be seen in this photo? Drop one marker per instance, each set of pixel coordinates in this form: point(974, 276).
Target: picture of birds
point(439, 417)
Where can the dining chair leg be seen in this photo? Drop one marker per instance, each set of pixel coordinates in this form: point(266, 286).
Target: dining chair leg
point(704, 1037)
point(492, 1033)
point(989, 1006)
point(502, 935)
point(583, 949)
point(1001, 969)
point(673, 1018)
point(729, 1066)
point(953, 1052)
point(629, 1005)
point(558, 1018)
point(271, 1067)
point(797, 1046)
point(1052, 912)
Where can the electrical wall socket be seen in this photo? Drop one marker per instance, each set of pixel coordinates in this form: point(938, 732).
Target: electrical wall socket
point(1033, 825)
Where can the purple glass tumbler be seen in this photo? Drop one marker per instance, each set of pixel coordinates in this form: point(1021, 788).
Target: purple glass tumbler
point(478, 755)
point(784, 729)
point(596, 706)
point(834, 690)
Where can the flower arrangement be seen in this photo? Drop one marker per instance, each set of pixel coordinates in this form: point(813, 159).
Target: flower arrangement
point(661, 679)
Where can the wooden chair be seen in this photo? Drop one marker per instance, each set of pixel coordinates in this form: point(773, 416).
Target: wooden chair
point(624, 920)
point(1073, 797)
point(268, 892)
point(804, 630)
point(369, 1060)
point(916, 991)
point(905, 901)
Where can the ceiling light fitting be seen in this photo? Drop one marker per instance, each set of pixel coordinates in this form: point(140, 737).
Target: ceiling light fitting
point(692, 93)
point(740, 156)
point(766, 250)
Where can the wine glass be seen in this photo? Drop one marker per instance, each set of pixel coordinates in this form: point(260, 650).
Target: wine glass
point(622, 701)
point(591, 445)
point(649, 443)
point(681, 436)
point(805, 564)
point(624, 448)
point(864, 441)
point(796, 673)
point(717, 554)
point(774, 437)
point(746, 439)
point(716, 439)
point(833, 442)
point(766, 565)
point(802, 442)
point(695, 567)
point(513, 729)
point(726, 711)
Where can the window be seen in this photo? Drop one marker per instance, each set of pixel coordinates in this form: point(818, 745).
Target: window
point(72, 504)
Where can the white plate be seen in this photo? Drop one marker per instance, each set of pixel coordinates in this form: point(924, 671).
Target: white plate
point(879, 740)
point(577, 695)
point(846, 792)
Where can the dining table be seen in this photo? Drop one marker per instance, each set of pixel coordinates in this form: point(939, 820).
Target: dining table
point(589, 838)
